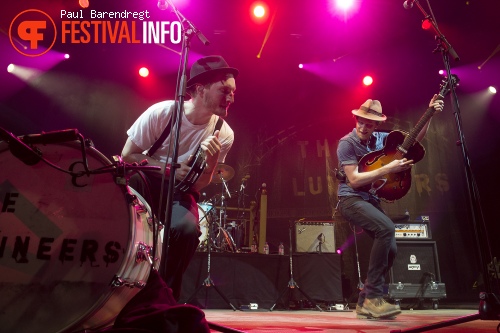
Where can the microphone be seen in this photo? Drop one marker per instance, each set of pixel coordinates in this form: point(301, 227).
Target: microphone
point(19, 149)
point(408, 4)
point(162, 4)
point(52, 137)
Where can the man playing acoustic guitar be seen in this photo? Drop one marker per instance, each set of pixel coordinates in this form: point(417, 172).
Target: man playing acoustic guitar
point(359, 202)
point(202, 133)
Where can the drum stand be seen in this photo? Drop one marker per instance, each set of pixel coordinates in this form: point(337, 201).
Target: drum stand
point(292, 284)
point(208, 282)
point(224, 236)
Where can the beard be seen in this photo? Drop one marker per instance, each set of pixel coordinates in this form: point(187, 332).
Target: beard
point(217, 107)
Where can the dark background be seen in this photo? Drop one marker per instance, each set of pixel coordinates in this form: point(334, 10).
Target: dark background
point(97, 90)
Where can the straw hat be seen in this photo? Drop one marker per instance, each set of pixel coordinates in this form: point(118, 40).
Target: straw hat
point(371, 109)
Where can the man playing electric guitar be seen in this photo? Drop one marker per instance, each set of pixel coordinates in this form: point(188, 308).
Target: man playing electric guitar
point(204, 141)
point(358, 200)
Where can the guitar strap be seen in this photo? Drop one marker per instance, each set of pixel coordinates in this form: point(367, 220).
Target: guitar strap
point(166, 132)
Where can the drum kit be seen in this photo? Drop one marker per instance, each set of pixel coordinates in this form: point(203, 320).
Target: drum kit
point(76, 243)
point(213, 216)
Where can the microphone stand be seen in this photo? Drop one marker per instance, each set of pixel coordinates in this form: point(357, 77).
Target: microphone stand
point(489, 305)
point(188, 30)
point(291, 283)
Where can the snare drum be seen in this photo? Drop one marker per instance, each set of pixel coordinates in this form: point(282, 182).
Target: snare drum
point(204, 220)
point(73, 249)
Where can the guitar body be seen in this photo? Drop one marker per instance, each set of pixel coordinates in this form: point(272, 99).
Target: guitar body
point(392, 186)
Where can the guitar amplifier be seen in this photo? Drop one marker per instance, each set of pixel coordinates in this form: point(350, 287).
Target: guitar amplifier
point(414, 230)
point(315, 236)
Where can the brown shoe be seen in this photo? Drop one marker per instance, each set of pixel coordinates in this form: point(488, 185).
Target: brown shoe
point(379, 308)
point(361, 313)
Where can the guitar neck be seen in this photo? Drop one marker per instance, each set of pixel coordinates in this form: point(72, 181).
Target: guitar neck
point(412, 137)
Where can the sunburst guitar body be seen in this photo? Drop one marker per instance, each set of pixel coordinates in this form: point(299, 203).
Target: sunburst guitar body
point(392, 186)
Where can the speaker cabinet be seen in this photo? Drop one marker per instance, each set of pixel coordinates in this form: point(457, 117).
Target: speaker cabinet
point(315, 237)
point(416, 262)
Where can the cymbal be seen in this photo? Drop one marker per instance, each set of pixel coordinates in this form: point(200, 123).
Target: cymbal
point(222, 170)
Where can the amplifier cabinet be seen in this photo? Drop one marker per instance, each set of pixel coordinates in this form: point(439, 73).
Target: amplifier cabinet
point(430, 290)
point(416, 262)
point(315, 236)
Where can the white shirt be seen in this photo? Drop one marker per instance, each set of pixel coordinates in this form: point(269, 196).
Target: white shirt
point(150, 125)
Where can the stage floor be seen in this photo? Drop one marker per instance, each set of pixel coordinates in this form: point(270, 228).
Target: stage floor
point(341, 321)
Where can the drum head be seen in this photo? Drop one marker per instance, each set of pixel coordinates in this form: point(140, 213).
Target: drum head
point(62, 238)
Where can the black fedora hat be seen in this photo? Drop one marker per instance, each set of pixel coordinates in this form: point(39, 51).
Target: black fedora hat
point(207, 67)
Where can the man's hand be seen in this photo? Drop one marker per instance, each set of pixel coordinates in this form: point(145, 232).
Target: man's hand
point(437, 104)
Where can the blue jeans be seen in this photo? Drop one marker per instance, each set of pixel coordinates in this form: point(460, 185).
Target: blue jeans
point(369, 216)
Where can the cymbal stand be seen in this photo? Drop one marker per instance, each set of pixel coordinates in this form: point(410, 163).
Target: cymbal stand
point(208, 282)
point(223, 234)
point(291, 283)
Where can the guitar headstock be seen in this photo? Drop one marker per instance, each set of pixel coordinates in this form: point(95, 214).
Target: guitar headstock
point(446, 84)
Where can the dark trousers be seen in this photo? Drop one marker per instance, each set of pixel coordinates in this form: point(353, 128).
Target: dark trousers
point(369, 216)
point(184, 229)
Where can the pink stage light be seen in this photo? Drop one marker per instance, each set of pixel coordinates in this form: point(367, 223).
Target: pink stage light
point(367, 80)
point(344, 4)
point(259, 12)
point(301, 66)
point(144, 72)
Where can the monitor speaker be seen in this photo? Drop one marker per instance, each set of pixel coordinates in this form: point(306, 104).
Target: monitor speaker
point(315, 237)
point(416, 262)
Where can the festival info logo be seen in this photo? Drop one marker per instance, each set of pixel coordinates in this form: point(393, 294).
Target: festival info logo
point(30, 30)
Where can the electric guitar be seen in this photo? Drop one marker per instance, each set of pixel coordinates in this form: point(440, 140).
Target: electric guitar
point(398, 145)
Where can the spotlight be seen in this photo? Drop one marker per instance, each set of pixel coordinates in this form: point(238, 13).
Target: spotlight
point(66, 56)
point(339, 251)
point(11, 68)
point(345, 4)
point(367, 80)
point(301, 66)
point(441, 72)
point(83, 3)
point(144, 72)
point(492, 90)
point(426, 24)
point(259, 11)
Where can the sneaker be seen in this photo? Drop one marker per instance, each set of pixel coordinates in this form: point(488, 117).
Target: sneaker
point(379, 308)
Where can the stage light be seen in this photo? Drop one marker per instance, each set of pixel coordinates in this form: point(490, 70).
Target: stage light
point(339, 251)
point(144, 72)
point(426, 24)
point(259, 11)
point(301, 66)
point(84, 3)
point(66, 56)
point(441, 72)
point(492, 90)
point(344, 4)
point(10, 68)
point(367, 80)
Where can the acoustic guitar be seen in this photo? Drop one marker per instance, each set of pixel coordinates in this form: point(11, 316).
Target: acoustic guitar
point(398, 145)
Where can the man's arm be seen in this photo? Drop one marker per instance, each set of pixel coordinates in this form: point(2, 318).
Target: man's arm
point(438, 105)
point(358, 179)
point(132, 153)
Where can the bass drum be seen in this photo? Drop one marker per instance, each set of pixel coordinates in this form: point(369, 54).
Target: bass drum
point(73, 250)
